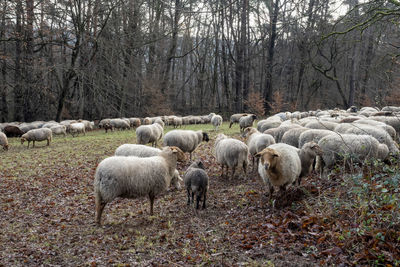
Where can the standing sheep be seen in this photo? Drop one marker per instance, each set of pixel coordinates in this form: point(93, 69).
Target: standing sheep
point(37, 135)
point(231, 153)
point(149, 134)
point(359, 147)
point(196, 182)
point(216, 121)
point(247, 121)
point(133, 177)
point(257, 141)
point(280, 165)
point(76, 128)
point(312, 135)
point(308, 154)
point(186, 140)
point(235, 118)
point(3, 141)
point(13, 131)
point(59, 129)
point(292, 136)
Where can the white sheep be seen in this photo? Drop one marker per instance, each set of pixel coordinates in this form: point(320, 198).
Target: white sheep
point(3, 141)
point(59, 129)
point(320, 124)
point(149, 134)
point(292, 136)
point(235, 118)
point(76, 128)
point(216, 121)
point(37, 135)
point(133, 177)
point(257, 141)
point(231, 153)
point(312, 135)
point(247, 121)
point(186, 140)
point(279, 165)
point(342, 146)
point(120, 124)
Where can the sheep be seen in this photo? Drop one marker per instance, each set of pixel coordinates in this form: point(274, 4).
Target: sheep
point(186, 140)
point(381, 135)
point(231, 153)
point(147, 121)
point(119, 124)
point(308, 154)
point(177, 121)
point(134, 122)
point(75, 128)
point(341, 146)
point(88, 125)
point(323, 125)
point(352, 109)
point(312, 135)
point(3, 141)
point(292, 136)
point(391, 108)
point(59, 129)
point(235, 118)
point(391, 131)
point(196, 182)
point(37, 135)
point(133, 177)
point(149, 134)
point(159, 121)
point(13, 131)
point(216, 120)
point(247, 121)
point(265, 125)
point(279, 165)
point(256, 141)
point(278, 132)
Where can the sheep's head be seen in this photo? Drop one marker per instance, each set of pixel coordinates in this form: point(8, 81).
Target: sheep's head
point(179, 153)
point(6, 146)
point(205, 137)
point(248, 131)
point(23, 139)
point(254, 117)
point(312, 148)
point(176, 180)
point(197, 164)
point(268, 157)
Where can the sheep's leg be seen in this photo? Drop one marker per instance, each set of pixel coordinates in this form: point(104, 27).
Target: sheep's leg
point(48, 142)
point(204, 198)
point(244, 167)
point(151, 197)
point(188, 194)
point(233, 171)
point(99, 210)
point(192, 197)
point(198, 197)
point(28, 143)
point(190, 156)
point(230, 124)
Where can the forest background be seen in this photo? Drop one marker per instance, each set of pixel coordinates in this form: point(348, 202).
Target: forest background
point(62, 59)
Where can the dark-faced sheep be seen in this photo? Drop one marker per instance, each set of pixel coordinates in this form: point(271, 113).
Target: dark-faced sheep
point(235, 118)
point(196, 182)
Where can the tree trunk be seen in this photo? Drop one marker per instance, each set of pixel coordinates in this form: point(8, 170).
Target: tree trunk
point(18, 90)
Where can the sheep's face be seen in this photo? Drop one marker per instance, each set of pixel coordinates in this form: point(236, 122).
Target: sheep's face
point(268, 158)
point(254, 117)
point(247, 132)
point(198, 164)
point(313, 149)
point(205, 137)
point(176, 179)
point(179, 153)
point(22, 140)
point(5, 147)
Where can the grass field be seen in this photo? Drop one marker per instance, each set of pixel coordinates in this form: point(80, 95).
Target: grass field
point(47, 214)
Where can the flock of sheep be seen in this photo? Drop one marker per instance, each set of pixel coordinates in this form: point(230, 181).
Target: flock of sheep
point(284, 148)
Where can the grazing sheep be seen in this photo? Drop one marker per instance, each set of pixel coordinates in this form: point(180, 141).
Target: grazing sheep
point(186, 140)
point(235, 118)
point(264, 125)
point(119, 124)
point(312, 135)
point(133, 177)
point(280, 165)
point(59, 129)
point(247, 121)
point(37, 135)
point(323, 125)
point(149, 134)
point(196, 182)
point(231, 153)
point(143, 151)
point(216, 120)
point(278, 132)
point(88, 125)
point(308, 154)
point(75, 128)
point(147, 121)
point(134, 122)
point(381, 135)
point(292, 136)
point(13, 131)
point(342, 146)
point(391, 131)
point(257, 141)
point(3, 141)
point(391, 108)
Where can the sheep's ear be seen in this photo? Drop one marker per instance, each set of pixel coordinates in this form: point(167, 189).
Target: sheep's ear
point(276, 155)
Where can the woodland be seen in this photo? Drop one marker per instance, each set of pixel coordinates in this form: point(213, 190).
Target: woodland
point(63, 59)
